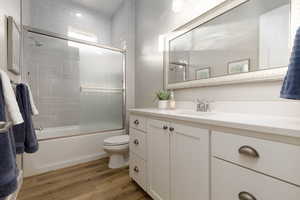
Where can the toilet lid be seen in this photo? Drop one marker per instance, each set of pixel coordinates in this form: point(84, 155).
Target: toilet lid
point(117, 140)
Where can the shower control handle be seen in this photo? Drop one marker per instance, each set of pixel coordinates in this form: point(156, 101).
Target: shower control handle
point(136, 169)
point(136, 142)
point(136, 122)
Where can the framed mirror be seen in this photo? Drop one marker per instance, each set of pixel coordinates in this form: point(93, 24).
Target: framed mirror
point(238, 41)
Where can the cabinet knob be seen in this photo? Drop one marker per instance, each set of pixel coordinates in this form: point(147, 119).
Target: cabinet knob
point(136, 122)
point(246, 196)
point(171, 129)
point(165, 127)
point(248, 151)
point(136, 142)
point(136, 169)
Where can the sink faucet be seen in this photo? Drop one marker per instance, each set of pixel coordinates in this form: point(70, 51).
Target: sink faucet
point(203, 105)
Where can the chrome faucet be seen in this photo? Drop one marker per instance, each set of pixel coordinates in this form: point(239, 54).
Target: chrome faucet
point(203, 105)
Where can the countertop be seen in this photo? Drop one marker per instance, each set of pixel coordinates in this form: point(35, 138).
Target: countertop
point(285, 126)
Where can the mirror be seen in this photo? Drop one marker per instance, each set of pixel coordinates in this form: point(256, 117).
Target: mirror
point(249, 36)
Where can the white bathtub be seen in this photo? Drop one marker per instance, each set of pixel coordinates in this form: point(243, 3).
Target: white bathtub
point(69, 131)
point(63, 147)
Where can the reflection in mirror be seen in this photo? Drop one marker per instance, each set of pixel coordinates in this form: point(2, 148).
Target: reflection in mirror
point(253, 36)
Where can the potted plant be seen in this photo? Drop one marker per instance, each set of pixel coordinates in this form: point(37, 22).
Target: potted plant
point(163, 98)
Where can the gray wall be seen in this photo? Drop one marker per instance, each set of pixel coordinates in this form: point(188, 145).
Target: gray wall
point(155, 18)
point(123, 35)
point(8, 8)
point(59, 16)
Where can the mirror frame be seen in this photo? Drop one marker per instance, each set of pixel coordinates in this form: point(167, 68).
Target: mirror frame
point(275, 74)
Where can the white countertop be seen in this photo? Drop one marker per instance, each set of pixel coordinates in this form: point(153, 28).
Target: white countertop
point(285, 126)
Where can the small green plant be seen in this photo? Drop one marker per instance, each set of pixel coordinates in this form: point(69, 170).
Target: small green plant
point(162, 95)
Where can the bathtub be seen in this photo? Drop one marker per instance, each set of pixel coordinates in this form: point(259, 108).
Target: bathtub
point(65, 146)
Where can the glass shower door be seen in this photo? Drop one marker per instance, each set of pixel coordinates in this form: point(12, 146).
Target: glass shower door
point(78, 88)
point(101, 86)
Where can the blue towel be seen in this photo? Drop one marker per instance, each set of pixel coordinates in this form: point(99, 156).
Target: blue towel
point(291, 84)
point(25, 136)
point(8, 166)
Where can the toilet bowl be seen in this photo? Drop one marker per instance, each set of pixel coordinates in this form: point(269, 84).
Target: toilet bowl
point(117, 148)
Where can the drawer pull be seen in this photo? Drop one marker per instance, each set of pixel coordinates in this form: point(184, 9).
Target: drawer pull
point(165, 127)
point(136, 142)
point(136, 122)
point(136, 169)
point(246, 196)
point(248, 151)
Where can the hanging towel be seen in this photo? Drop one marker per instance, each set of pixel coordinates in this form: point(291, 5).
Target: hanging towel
point(25, 136)
point(8, 166)
point(291, 84)
point(10, 99)
point(33, 107)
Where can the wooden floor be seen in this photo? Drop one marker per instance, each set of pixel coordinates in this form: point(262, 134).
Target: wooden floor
point(88, 181)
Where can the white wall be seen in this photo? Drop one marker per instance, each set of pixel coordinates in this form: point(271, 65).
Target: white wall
point(8, 8)
point(123, 35)
point(59, 15)
point(156, 18)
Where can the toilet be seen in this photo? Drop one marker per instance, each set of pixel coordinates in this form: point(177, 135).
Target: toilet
point(117, 148)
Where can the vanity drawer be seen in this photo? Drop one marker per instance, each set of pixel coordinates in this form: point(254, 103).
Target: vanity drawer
point(138, 143)
point(138, 122)
point(272, 158)
point(138, 170)
point(231, 182)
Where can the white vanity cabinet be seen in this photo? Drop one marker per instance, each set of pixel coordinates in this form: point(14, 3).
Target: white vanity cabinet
point(177, 161)
point(189, 162)
point(138, 150)
point(158, 140)
point(246, 168)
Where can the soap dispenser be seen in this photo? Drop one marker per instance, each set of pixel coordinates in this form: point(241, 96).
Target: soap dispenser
point(172, 100)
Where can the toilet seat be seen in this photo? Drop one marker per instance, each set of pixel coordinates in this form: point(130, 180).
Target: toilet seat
point(117, 140)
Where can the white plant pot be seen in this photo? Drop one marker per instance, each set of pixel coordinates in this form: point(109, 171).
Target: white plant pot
point(163, 105)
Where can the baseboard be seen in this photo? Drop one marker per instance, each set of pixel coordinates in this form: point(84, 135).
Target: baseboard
point(67, 163)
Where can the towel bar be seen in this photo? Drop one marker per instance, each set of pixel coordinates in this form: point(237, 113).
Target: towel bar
point(4, 126)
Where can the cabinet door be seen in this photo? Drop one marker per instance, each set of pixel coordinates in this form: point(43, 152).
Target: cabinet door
point(158, 140)
point(189, 163)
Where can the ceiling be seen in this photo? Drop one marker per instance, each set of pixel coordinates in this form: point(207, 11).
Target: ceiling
point(107, 7)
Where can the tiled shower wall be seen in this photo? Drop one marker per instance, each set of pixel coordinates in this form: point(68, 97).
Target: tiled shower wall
point(57, 70)
point(53, 74)
point(59, 16)
point(59, 75)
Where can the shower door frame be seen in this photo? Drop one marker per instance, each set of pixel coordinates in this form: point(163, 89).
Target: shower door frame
point(124, 90)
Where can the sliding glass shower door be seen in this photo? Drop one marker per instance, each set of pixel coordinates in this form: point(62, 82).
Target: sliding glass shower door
point(78, 88)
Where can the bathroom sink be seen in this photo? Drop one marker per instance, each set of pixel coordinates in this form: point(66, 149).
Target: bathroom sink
point(194, 113)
